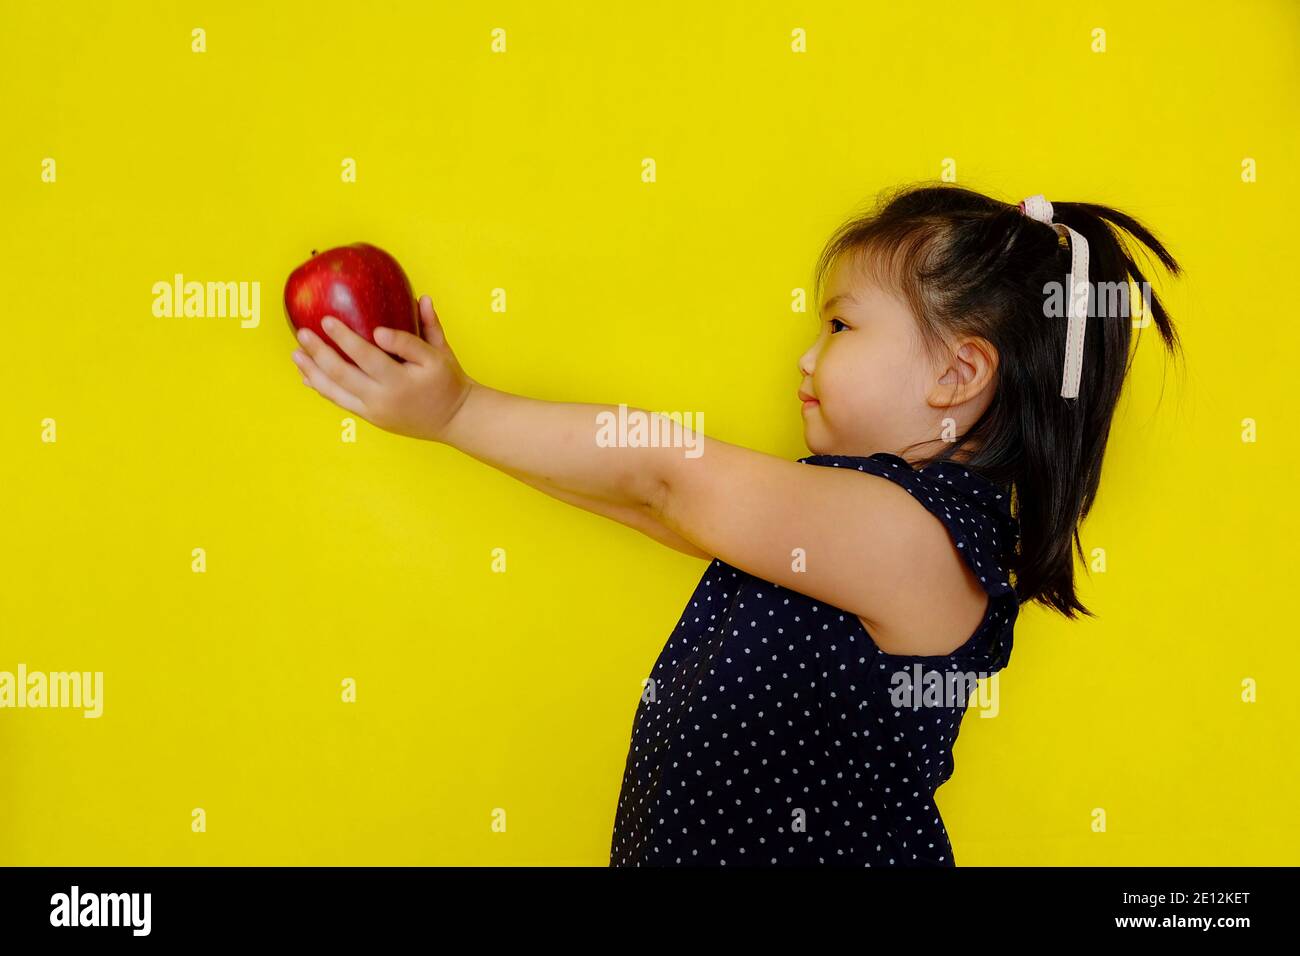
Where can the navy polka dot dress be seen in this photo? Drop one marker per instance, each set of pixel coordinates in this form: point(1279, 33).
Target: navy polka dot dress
point(771, 731)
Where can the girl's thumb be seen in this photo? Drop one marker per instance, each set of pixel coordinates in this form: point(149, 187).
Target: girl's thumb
point(430, 327)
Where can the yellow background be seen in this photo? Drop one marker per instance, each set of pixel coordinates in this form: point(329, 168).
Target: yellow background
point(522, 171)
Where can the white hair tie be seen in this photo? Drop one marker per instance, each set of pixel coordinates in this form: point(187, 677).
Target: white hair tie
point(1077, 286)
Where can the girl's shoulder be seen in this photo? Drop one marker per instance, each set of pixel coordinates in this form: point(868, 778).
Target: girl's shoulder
point(976, 511)
point(963, 590)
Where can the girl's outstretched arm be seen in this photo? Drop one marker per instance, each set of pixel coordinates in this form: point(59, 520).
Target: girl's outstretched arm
point(549, 445)
point(555, 442)
point(552, 446)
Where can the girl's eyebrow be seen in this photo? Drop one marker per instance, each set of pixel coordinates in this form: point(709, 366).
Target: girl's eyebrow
point(831, 303)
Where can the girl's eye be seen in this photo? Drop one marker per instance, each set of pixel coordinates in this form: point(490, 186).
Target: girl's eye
point(833, 328)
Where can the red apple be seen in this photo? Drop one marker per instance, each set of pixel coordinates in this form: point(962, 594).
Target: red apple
point(360, 285)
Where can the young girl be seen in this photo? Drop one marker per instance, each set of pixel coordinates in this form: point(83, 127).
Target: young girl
point(804, 709)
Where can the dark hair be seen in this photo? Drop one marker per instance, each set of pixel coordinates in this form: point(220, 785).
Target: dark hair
point(968, 264)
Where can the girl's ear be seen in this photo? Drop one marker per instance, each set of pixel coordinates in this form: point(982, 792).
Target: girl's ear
point(970, 368)
point(959, 370)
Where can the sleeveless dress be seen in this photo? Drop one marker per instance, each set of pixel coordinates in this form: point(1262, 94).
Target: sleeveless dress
point(773, 731)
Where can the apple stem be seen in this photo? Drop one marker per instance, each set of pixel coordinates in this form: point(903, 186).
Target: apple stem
point(313, 252)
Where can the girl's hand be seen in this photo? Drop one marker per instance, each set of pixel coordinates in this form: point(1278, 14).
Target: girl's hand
point(418, 398)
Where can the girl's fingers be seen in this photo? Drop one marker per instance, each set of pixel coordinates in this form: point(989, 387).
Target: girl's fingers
point(403, 343)
point(318, 380)
point(370, 358)
point(334, 365)
point(430, 326)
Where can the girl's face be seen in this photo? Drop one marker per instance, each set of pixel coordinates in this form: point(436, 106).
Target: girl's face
point(875, 388)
